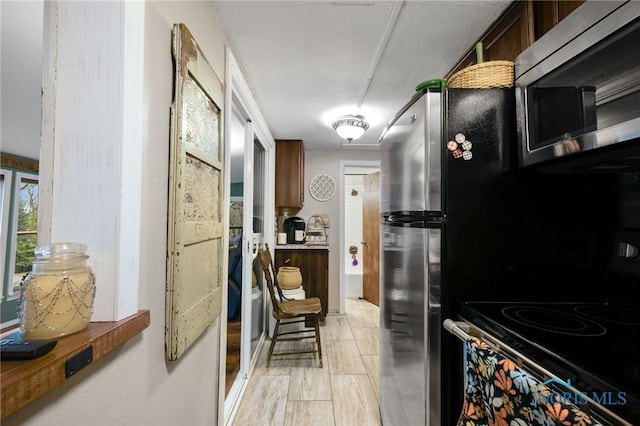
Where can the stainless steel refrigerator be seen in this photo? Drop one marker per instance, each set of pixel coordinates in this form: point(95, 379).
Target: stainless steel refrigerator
point(444, 157)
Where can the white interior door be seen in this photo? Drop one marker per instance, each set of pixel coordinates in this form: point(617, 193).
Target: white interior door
point(236, 371)
point(251, 178)
point(249, 248)
point(249, 184)
point(253, 238)
point(260, 219)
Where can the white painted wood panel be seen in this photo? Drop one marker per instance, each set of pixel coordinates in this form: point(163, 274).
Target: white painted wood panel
point(92, 121)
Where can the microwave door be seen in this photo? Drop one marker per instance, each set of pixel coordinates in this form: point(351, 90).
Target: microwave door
point(577, 90)
point(411, 159)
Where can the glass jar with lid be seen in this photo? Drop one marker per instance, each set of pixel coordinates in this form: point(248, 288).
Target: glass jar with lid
point(57, 295)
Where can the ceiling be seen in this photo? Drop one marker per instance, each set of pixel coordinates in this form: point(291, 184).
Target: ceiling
point(309, 62)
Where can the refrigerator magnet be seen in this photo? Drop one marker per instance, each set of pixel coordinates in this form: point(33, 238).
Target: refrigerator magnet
point(460, 147)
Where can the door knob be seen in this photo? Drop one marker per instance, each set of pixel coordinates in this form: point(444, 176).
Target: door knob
point(254, 245)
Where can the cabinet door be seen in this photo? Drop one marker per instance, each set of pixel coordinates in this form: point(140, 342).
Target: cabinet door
point(547, 14)
point(511, 35)
point(518, 27)
point(289, 174)
point(314, 267)
point(505, 39)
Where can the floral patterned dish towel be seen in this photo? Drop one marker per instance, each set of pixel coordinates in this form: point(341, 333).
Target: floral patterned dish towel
point(499, 393)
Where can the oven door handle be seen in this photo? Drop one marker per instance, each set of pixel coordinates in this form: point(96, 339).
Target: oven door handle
point(464, 330)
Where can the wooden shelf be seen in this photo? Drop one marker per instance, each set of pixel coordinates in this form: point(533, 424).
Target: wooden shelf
point(25, 381)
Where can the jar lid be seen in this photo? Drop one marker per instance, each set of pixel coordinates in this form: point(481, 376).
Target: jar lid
point(60, 251)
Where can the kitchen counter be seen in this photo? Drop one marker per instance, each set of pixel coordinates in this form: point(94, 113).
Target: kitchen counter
point(313, 261)
point(302, 246)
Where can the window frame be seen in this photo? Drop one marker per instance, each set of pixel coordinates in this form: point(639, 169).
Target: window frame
point(8, 284)
point(5, 212)
point(13, 176)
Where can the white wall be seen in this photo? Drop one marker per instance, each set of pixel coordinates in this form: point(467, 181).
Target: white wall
point(21, 75)
point(328, 162)
point(134, 384)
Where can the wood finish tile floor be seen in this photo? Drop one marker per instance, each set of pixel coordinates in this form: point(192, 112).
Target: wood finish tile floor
point(295, 391)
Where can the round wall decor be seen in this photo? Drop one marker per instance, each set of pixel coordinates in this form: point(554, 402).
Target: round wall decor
point(322, 187)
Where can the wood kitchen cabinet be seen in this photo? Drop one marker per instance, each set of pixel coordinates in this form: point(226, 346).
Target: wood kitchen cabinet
point(547, 14)
point(314, 267)
point(521, 24)
point(511, 35)
point(289, 174)
point(505, 39)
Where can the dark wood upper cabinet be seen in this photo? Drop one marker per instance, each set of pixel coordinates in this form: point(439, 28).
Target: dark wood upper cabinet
point(511, 35)
point(547, 14)
point(289, 174)
point(521, 24)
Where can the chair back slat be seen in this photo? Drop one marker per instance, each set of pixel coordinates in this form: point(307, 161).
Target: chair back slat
point(276, 284)
point(267, 268)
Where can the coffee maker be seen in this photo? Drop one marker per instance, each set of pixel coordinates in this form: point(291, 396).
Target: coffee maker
point(295, 229)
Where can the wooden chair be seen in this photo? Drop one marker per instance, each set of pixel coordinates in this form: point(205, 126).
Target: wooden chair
point(287, 311)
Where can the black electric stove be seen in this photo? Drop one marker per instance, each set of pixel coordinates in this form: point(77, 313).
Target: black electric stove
point(595, 345)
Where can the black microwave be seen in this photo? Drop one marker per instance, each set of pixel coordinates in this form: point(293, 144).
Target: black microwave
point(578, 90)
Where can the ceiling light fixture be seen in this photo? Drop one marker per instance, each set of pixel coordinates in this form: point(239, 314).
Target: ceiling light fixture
point(350, 127)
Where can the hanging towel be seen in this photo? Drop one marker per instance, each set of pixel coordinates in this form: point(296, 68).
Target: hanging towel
point(499, 393)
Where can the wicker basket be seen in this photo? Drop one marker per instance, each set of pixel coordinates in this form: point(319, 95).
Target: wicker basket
point(483, 76)
point(289, 277)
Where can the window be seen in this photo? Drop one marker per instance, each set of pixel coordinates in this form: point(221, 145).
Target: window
point(19, 221)
point(25, 226)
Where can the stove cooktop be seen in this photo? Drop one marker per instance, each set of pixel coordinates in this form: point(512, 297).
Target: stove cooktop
point(596, 345)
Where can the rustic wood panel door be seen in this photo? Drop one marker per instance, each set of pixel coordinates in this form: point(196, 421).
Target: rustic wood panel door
point(196, 190)
point(371, 238)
